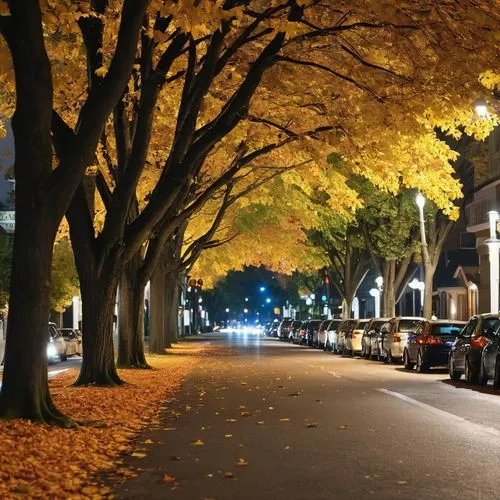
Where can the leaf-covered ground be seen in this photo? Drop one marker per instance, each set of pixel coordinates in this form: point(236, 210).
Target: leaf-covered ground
point(38, 461)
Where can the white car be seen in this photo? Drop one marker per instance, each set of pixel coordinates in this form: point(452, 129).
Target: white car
point(332, 335)
point(56, 346)
point(394, 341)
point(323, 333)
point(370, 345)
point(353, 338)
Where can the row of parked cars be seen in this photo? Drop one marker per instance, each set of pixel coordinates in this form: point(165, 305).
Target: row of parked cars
point(469, 349)
point(63, 342)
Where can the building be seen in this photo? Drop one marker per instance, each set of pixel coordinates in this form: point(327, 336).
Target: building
point(486, 197)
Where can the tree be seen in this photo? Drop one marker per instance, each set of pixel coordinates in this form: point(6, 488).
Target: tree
point(64, 277)
point(44, 191)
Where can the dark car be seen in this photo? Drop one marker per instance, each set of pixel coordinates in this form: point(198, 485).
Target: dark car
point(430, 345)
point(490, 361)
point(466, 352)
point(272, 329)
point(312, 332)
point(284, 329)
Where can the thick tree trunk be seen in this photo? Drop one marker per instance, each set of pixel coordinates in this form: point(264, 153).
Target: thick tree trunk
point(171, 308)
point(131, 321)
point(98, 304)
point(347, 307)
point(157, 311)
point(25, 391)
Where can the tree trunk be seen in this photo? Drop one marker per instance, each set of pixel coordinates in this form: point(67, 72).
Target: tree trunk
point(25, 392)
point(157, 311)
point(131, 320)
point(390, 292)
point(98, 304)
point(347, 307)
point(171, 308)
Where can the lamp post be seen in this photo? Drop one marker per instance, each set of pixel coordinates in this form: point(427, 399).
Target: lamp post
point(375, 293)
point(415, 284)
point(426, 259)
point(493, 244)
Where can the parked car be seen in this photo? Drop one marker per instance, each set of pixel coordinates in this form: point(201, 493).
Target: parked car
point(284, 329)
point(395, 337)
point(294, 331)
point(344, 330)
point(312, 332)
point(272, 329)
point(353, 339)
point(430, 345)
point(331, 334)
point(56, 346)
point(302, 335)
point(490, 361)
point(466, 352)
point(323, 333)
point(370, 344)
point(73, 339)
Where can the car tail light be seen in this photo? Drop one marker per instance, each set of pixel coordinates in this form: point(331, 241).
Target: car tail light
point(421, 340)
point(479, 343)
point(431, 340)
point(396, 338)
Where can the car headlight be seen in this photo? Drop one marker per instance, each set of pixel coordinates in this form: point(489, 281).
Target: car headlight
point(51, 351)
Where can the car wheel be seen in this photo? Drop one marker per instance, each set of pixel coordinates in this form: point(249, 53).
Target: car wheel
point(406, 360)
point(454, 374)
point(470, 376)
point(64, 356)
point(483, 376)
point(422, 366)
point(388, 357)
point(496, 378)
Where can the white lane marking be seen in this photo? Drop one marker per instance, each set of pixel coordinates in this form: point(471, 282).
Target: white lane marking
point(334, 374)
point(441, 413)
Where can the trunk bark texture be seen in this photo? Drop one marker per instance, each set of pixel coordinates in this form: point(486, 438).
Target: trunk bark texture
point(131, 319)
point(171, 308)
point(98, 304)
point(157, 339)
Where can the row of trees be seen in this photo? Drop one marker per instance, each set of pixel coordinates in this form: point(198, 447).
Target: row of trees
point(147, 112)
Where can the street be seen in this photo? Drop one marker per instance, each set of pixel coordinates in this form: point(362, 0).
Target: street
point(265, 419)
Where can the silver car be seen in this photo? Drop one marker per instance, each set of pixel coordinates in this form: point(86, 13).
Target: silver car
point(56, 346)
point(73, 341)
point(395, 339)
point(370, 342)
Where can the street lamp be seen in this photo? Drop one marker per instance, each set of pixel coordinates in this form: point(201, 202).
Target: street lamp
point(246, 299)
point(268, 300)
point(227, 309)
point(481, 108)
point(493, 244)
point(245, 311)
point(420, 200)
point(415, 284)
point(375, 293)
point(262, 288)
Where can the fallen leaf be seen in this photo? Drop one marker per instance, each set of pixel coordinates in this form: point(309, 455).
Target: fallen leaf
point(138, 454)
point(228, 475)
point(198, 442)
point(295, 394)
point(149, 441)
point(284, 419)
point(311, 425)
point(246, 414)
point(260, 422)
point(231, 420)
point(270, 408)
point(241, 462)
point(343, 427)
point(228, 435)
point(168, 479)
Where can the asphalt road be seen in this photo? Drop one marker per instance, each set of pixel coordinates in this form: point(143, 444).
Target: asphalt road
point(261, 419)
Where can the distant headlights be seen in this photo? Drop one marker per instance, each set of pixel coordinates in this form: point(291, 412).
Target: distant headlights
point(51, 351)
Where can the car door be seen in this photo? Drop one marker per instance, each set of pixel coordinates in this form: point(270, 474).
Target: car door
point(490, 353)
point(413, 338)
point(462, 344)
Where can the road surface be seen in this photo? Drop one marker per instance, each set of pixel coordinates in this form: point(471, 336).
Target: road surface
point(261, 419)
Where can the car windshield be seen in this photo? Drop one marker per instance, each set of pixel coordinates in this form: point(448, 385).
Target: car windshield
point(314, 324)
point(286, 323)
point(490, 324)
point(361, 324)
point(408, 325)
point(334, 325)
point(446, 329)
point(377, 325)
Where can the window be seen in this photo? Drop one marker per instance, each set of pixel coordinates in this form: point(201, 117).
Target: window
point(470, 327)
point(446, 329)
point(408, 325)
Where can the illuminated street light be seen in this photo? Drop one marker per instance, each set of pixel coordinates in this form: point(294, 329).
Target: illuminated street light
point(420, 201)
point(245, 311)
point(415, 284)
point(268, 300)
point(246, 299)
point(262, 288)
point(481, 108)
point(227, 309)
point(375, 293)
